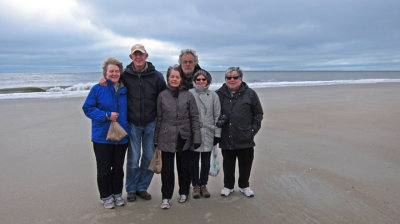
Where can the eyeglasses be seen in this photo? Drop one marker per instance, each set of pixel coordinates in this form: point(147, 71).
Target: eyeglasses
point(187, 62)
point(231, 77)
point(198, 80)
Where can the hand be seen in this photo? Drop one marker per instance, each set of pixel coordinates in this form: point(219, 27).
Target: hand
point(114, 116)
point(216, 140)
point(103, 82)
point(196, 145)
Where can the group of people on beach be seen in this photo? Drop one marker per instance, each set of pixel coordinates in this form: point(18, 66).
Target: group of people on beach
point(181, 117)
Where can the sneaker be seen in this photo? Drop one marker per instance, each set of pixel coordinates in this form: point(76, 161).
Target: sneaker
point(119, 201)
point(247, 191)
point(226, 192)
point(165, 204)
point(131, 196)
point(144, 195)
point(196, 192)
point(204, 191)
point(109, 203)
point(182, 198)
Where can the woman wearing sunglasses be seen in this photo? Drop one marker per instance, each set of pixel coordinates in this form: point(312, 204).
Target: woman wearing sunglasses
point(242, 108)
point(209, 110)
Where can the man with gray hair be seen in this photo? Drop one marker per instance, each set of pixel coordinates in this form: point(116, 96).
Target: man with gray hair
point(241, 116)
point(188, 64)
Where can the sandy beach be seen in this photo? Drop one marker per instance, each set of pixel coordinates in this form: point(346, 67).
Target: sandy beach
point(325, 154)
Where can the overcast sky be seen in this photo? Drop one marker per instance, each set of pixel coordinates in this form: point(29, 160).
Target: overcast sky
point(78, 35)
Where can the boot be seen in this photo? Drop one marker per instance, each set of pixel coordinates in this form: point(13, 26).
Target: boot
point(204, 191)
point(196, 192)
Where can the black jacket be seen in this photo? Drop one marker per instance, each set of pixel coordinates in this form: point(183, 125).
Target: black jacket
point(143, 89)
point(245, 114)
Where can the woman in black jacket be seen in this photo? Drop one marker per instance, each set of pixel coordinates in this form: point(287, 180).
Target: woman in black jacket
point(242, 112)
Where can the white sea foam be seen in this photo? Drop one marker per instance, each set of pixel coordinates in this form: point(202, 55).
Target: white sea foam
point(76, 87)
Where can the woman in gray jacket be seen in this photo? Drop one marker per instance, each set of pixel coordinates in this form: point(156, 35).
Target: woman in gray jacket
point(209, 110)
point(177, 130)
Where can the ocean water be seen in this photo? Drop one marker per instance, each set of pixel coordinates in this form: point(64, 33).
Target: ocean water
point(64, 85)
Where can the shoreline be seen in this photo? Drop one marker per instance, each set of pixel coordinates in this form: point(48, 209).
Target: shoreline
point(324, 154)
point(33, 90)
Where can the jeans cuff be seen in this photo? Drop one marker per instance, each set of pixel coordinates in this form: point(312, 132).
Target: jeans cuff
point(117, 195)
point(106, 198)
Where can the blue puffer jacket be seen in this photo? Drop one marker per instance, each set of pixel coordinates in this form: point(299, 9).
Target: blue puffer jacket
point(103, 100)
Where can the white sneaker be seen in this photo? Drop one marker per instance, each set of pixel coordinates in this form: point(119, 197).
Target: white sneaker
point(165, 204)
point(119, 201)
point(109, 203)
point(247, 191)
point(226, 192)
point(182, 198)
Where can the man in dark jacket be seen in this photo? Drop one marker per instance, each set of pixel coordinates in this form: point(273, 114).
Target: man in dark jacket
point(188, 65)
point(144, 83)
point(243, 115)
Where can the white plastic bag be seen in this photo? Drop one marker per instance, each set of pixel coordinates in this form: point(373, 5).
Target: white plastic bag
point(214, 164)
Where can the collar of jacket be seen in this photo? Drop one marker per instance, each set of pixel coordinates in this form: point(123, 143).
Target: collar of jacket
point(200, 89)
point(149, 68)
point(109, 83)
point(227, 92)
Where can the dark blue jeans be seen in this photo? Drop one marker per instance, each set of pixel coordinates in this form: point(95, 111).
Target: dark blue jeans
point(140, 152)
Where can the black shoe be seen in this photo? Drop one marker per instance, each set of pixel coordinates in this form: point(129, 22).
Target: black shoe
point(144, 195)
point(131, 197)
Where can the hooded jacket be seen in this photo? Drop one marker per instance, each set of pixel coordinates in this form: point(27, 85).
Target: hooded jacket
point(209, 110)
point(245, 114)
point(176, 116)
point(143, 89)
point(103, 100)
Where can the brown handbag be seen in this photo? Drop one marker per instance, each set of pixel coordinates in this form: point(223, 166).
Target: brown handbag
point(115, 132)
point(156, 162)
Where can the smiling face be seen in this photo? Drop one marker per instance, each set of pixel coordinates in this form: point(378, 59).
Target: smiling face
point(233, 81)
point(201, 81)
point(174, 79)
point(139, 60)
point(113, 73)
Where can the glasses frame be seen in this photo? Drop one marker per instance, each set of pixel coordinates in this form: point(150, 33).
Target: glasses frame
point(231, 77)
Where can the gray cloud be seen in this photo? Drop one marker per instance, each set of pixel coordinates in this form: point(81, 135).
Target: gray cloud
point(256, 35)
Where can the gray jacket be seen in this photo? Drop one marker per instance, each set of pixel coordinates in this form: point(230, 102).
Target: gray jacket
point(176, 116)
point(209, 110)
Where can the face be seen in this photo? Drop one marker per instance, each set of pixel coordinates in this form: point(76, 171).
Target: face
point(187, 64)
point(232, 83)
point(174, 79)
point(139, 60)
point(201, 80)
point(113, 73)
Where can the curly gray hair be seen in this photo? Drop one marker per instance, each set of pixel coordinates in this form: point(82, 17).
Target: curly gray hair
point(189, 51)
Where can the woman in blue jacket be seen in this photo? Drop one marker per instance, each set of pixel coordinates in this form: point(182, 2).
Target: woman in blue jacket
point(103, 105)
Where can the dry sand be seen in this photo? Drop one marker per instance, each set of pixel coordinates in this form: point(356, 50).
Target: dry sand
point(327, 154)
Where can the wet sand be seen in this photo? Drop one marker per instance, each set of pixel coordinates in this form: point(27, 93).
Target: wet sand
point(325, 154)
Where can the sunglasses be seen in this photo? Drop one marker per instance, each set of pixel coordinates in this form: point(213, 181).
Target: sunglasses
point(198, 80)
point(233, 77)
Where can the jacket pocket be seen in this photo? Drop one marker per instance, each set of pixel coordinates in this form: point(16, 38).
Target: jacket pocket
point(247, 132)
